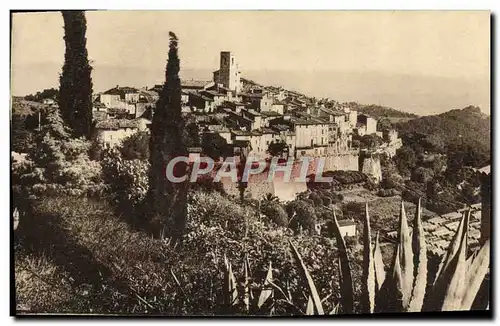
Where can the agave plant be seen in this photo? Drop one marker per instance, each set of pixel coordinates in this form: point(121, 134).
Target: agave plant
point(403, 288)
point(265, 302)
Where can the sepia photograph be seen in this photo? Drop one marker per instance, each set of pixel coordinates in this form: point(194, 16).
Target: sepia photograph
point(277, 163)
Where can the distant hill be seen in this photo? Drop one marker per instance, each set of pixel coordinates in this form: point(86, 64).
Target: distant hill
point(378, 112)
point(22, 107)
point(467, 128)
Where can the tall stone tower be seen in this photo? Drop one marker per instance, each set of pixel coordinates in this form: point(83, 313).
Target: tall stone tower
point(228, 74)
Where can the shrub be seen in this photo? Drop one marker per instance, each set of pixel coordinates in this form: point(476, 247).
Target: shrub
point(387, 192)
point(422, 175)
point(136, 146)
point(316, 199)
point(214, 210)
point(275, 212)
point(58, 164)
point(353, 210)
point(127, 179)
point(370, 184)
point(327, 201)
point(206, 183)
point(302, 215)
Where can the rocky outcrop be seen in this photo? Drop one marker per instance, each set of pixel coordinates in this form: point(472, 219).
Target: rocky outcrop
point(371, 167)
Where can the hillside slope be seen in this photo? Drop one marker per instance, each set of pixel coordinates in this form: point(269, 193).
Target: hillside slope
point(467, 128)
point(378, 111)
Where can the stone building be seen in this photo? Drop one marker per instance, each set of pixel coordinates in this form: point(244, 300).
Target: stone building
point(228, 74)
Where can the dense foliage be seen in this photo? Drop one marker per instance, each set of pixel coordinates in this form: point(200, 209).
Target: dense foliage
point(277, 148)
point(136, 146)
point(378, 111)
point(57, 163)
point(464, 134)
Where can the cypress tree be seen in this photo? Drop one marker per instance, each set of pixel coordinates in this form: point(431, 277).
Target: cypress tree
point(168, 140)
point(75, 90)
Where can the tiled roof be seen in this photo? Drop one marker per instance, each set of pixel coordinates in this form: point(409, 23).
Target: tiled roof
point(212, 93)
point(246, 133)
point(332, 112)
point(252, 112)
point(268, 131)
point(203, 97)
point(191, 83)
point(270, 113)
point(281, 127)
point(121, 91)
point(252, 95)
point(114, 124)
point(346, 223)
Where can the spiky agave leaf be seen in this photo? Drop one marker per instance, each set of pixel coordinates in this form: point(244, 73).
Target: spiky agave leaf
point(346, 286)
point(420, 262)
point(247, 261)
point(335, 309)
point(310, 307)
point(267, 290)
point(455, 287)
point(453, 270)
point(305, 274)
point(368, 283)
point(246, 285)
point(475, 275)
point(230, 289)
point(226, 262)
point(405, 257)
point(453, 247)
point(395, 292)
point(390, 298)
point(378, 264)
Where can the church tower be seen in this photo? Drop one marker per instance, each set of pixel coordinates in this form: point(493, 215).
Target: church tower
point(228, 75)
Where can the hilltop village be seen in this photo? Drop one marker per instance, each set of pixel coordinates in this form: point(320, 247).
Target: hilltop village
point(250, 118)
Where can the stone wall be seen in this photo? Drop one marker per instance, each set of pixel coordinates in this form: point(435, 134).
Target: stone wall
point(344, 162)
point(259, 185)
point(371, 167)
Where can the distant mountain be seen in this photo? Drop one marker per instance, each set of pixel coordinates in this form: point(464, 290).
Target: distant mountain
point(468, 128)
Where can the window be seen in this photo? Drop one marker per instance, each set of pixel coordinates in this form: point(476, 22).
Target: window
point(232, 61)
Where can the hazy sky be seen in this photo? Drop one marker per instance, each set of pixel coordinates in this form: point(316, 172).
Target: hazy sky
point(449, 44)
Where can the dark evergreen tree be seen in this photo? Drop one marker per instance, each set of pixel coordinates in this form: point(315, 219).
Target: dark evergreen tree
point(168, 140)
point(75, 90)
